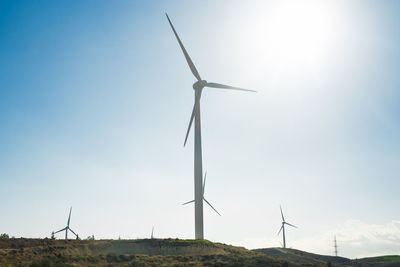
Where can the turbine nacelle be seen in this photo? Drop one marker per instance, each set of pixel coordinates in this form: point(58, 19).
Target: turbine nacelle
point(199, 85)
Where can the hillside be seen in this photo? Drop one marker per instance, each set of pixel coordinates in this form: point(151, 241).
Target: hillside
point(387, 261)
point(302, 257)
point(306, 258)
point(141, 252)
point(163, 252)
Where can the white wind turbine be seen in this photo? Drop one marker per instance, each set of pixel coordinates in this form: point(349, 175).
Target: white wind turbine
point(283, 228)
point(198, 168)
point(67, 227)
point(204, 187)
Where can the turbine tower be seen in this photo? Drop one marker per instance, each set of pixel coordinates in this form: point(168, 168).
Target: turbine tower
point(67, 227)
point(283, 228)
point(198, 168)
point(204, 187)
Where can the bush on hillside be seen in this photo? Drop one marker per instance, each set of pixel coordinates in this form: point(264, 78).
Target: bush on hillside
point(4, 236)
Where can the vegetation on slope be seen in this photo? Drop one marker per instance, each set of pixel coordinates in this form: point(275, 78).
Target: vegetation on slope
point(162, 252)
point(387, 261)
point(311, 259)
point(302, 257)
point(145, 252)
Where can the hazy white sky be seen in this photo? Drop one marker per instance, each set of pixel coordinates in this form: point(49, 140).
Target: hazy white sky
point(95, 98)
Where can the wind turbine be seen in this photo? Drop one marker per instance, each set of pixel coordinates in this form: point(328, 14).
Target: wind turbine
point(283, 228)
point(198, 168)
point(67, 227)
point(152, 231)
point(204, 186)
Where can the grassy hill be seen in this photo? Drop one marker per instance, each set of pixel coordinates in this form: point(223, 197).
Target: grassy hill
point(141, 252)
point(387, 261)
point(163, 252)
point(310, 259)
point(302, 257)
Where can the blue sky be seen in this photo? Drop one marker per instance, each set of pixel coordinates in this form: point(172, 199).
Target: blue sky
point(95, 97)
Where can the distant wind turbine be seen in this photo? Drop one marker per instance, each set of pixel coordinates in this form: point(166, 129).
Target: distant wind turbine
point(152, 231)
point(204, 187)
point(67, 227)
point(283, 228)
point(198, 167)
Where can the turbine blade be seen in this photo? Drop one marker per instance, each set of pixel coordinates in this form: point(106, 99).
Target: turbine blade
point(190, 123)
point(69, 217)
point(72, 231)
point(280, 230)
point(188, 59)
point(196, 103)
point(60, 230)
point(188, 202)
point(223, 86)
point(291, 225)
point(283, 219)
point(211, 206)
point(204, 182)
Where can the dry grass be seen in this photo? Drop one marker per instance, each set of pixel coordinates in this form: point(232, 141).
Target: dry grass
point(144, 252)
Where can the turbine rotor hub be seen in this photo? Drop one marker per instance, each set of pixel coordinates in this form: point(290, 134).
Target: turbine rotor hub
point(199, 85)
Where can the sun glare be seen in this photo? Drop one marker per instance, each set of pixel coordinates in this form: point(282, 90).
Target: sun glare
point(301, 32)
point(290, 37)
point(290, 51)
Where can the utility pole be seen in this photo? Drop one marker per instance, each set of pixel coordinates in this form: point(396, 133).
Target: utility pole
point(335, 246)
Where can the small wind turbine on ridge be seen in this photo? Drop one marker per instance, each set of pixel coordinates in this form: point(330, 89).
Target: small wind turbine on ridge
point(67, 227)
point(283, 228)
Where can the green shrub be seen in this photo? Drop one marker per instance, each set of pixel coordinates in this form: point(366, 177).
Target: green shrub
point(111, 257)
point(4, 236)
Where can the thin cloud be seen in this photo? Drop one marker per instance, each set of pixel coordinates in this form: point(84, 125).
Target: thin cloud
point(355, 239)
